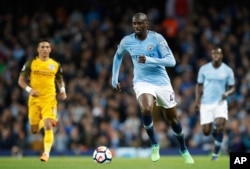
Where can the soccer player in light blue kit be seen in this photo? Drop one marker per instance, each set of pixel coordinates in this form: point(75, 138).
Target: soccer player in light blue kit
point(215, 82)
point(150, 54)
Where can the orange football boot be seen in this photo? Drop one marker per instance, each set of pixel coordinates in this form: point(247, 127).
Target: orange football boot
point(44, 158)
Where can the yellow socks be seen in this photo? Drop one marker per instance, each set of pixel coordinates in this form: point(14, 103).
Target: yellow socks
point(41, 124)
point(48, 140)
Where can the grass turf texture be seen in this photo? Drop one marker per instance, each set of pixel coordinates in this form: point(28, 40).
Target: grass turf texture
point(84, 162)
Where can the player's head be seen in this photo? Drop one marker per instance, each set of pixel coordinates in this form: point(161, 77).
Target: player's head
point(217, 55)
point(140, 24)
point(44, 47)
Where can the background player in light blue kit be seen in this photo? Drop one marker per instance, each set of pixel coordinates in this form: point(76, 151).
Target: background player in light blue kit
point(150, 55)
point(215, 83)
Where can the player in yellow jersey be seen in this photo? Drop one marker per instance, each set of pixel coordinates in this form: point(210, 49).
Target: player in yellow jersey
point(39, 78)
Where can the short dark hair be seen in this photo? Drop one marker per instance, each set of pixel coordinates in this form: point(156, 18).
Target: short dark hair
point(43, 40)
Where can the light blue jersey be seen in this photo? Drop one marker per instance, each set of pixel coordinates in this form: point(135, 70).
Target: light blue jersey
point(158, 56)
point(215, 82)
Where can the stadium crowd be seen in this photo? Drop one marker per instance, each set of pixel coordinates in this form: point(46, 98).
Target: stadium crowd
point(85, 35)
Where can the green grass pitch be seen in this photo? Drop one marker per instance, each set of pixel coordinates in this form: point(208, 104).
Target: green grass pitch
point(85, 162)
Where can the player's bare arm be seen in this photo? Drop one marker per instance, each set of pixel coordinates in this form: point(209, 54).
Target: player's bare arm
point(22, 83)
point(198, 94)
point(230, 91)
point(61, 86)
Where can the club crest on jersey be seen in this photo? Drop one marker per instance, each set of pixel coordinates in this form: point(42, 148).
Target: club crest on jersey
point(150, 47)
point(51, 67)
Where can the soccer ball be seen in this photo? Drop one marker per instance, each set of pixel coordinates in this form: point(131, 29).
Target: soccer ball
point(102, 154)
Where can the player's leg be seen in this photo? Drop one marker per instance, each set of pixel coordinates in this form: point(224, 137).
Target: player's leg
point(146, 104)
point(207, 119)
point(34, 116)
point(49, 115)
point(34, 126)
point(157, 113)
point(166, 99)
point(157, 118)
point(206, 128)
point(218, 133)
point(171, 117)
point(41, 124)
point(145, 96)
point(221, 116)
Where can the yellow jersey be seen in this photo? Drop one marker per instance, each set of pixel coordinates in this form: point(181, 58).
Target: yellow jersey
point(42, 77)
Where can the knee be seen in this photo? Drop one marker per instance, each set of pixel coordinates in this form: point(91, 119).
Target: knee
point(206, 132)
point(34, 130)
point(48, 124)
point(146, 110)
point(219, 128)
point(173, 121)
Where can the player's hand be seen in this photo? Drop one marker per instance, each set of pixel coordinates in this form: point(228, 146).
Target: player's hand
point(197, 106)
point(118, 87)
point(63, 94)
point(142, 59)
point(34, 93)
point(224, 96)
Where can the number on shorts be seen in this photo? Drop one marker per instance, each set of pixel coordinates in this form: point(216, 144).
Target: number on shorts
point(171, 97)
point(53, 111)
